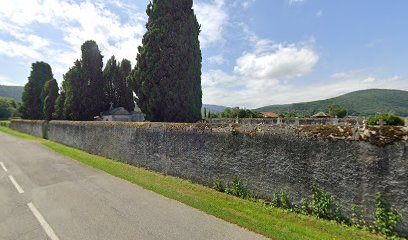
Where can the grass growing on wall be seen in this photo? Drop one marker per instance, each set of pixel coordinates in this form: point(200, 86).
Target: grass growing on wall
point(275, 223)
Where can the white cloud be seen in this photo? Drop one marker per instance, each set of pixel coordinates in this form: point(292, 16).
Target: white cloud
point(77, 22)
point(217, 59)
point(276, 61)
point(212, 16)
point(236, 90)
point(266, 68)
point(6, 81)
point(246, 3)
point(292, 2)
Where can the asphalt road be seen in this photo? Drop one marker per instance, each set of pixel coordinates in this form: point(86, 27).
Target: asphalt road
point(44, 195)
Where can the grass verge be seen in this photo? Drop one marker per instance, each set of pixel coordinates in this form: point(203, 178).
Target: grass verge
point(275, 223)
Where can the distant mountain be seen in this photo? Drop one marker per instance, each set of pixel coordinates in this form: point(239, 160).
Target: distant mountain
point(11, 92)
point(213, 108)
point(359, 103)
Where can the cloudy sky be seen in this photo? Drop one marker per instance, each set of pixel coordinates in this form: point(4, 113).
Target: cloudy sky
point(255, 52)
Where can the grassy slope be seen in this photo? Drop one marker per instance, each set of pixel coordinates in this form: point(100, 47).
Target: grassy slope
point(14, 92)
point(274, 223)
point(366, 102)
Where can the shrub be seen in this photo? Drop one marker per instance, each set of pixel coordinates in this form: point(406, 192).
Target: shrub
point(218, 186)
point(386, 218)
point(237, 188)
point(389, 119)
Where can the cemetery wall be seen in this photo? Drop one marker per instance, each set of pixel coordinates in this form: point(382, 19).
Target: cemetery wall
point(34, 128)
point(352, 163)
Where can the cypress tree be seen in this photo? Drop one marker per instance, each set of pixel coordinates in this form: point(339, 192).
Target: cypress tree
point(73, 87)
point(93, 97)
point(167, 77)
point(51, 93)
point(126, 98)
point(84, 86)
point(111, 78)
point(59, 107)
point(33, 96)
point(117, 90)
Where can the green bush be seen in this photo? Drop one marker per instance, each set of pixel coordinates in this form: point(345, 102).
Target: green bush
point(386, 218)
point(237, 188)
point(389, 119)
point(218, 186)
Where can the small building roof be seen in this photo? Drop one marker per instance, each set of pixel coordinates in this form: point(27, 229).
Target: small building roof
point(116, 111)
point(321, 115)
point(270, 114)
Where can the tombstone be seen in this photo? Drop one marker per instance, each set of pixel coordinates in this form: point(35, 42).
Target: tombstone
point(278, 121)
point(237, 120)
point(381, 122)
point(336, 121)
point(297, 122)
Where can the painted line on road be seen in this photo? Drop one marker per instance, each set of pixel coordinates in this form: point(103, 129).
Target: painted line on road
point(3, 166)
point(47, 228)
point(19, 189)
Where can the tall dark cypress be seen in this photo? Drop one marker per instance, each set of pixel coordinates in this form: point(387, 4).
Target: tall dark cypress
point(93, 97)
point(117, 90)
point(126, 98)
point(167, 77)
point(51, 94)
point(33, 96)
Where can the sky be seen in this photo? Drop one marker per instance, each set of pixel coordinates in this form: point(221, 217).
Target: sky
point(255, 52)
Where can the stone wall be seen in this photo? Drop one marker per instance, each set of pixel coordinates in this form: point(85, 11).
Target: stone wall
point(357, 121)
point(34, 128)
point(353, 164)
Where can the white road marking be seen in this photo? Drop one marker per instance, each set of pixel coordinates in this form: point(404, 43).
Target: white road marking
point(47, 228)
point(3, 166)
point(19, 189)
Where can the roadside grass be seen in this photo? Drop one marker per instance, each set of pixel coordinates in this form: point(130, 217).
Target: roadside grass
point(4, 123)
point(271, 222)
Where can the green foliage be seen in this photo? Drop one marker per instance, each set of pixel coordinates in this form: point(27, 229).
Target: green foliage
point(359, 103)
point(14, 92)
point(386, 218)
point(324, 206)
point(59, 107)
point(8, 108)
point(237, 188)
point(167, 77)
point(84, 86)
point(117, 90)
point(73, 88)
point(51, 94)
point(234, 113)
point(33, 96)
point(218, 186)
point(389, 119)
point(337, 110)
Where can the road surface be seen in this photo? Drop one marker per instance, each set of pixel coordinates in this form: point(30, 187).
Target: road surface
point(44, 195)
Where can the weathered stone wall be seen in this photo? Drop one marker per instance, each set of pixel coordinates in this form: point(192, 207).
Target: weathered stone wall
point(31, 127)
point(351, 163)
point(289, 121)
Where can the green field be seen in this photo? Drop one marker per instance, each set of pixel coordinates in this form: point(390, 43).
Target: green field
point(271, 222)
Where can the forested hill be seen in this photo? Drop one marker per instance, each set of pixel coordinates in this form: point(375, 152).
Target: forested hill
point(11, 92)
point(361, 103)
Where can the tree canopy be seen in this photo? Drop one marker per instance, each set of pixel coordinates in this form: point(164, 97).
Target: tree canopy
point(51, 94)
point(117, 90)
point(167, 77)
point(33, 96)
